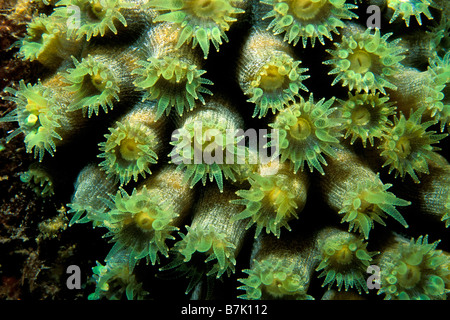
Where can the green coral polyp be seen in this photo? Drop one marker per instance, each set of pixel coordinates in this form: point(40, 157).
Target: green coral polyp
point(407, 8)
point(114, 279)
point(438, 33)
point(407, 146)
point(203, 147)
point(370, 202)
point(275, 279)
point(344, 259)
point(173, 82)
point(39, 180)
point(141, 223)
point(93, 85)
point(313, 19)
point(128, 151)
point(84, 214)
point(271, 202)
point(276, 84)
point(212, 243)
point(417, 271)
point(366, 116)
point(202, 21)
point(36, 115)
point(437, 100)
point(95, 17)
point(43, 34)
point(306, 132)
point(364, 61)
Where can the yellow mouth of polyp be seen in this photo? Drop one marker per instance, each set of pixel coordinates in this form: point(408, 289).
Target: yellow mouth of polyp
point(271, 78)
point(129, 150)
point(361, 116)
point(144, 221)
point(360, 62)
point(301, 130)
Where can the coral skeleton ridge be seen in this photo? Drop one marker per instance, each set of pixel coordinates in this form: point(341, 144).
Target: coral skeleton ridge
point(202, 140)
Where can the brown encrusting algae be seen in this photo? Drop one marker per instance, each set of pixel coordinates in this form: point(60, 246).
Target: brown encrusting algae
point(306, 157)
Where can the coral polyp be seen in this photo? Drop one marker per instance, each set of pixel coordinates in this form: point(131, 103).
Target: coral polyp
point(133, 144)
point(39, 180)
point(414, 270)
point(202, 21)
point(353, 190)
point(438, 32)
point(363, 60)
point(272, 279)
point(437, 100)
point(371, 201)
point(279, 271)
point(268, 73)
point(212, 242)
point(408, 145)
point(208, 144)
point(92, 17)
point(271, 79)
point(343, 259)
point(173, 82)
point(114, 279)
point(213, 233)
point(274, 198)
point(93, 84)
point(37, 116)
point(47, 42)
point(308, 19)
point(407, 8)
point(366, 116)
point(306, 131)
point(171, 76)
point(142, 222)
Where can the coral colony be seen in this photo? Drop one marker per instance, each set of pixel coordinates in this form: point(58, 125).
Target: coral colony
point(346, 115)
